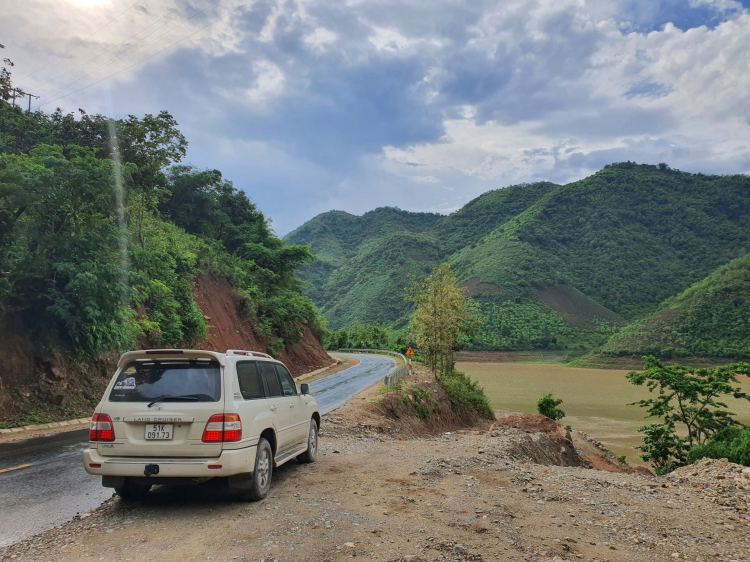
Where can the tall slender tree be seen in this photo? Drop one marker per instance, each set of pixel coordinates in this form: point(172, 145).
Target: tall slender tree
point(446, 318)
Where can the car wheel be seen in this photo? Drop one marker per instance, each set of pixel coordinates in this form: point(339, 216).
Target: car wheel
point(261, 481)
point(312, 444)
point(132, 492)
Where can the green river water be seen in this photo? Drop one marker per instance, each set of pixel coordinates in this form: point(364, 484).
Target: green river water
point(594, 399)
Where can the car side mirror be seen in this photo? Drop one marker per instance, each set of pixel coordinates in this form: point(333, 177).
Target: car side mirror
point(304, 388)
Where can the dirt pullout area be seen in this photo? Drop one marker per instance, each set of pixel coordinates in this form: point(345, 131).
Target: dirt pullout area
point(469, 495)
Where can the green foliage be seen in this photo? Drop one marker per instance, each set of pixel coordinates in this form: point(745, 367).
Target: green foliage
point(101, 240)
point(710, 319)
point(445, 320)
point(662, 448)
point(421, 400)
point(688, 400)
point(732, 443)
point(548, 406)
point(465, 394)
point(511, 326)
point(359, 336)
point(626, 239)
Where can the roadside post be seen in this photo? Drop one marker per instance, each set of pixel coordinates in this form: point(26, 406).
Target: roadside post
point(410, 353)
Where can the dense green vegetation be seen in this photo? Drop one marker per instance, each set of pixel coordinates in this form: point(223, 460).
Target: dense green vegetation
point(690, 409)
point(550, 266)
point(711, 318)
point(102, 234)
point(732, 443)
point(465, 394)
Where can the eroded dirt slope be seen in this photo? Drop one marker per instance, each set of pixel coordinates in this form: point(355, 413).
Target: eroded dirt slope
point(43, 379)
point(230, 330)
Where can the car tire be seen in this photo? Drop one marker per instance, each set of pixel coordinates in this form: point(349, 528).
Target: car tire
point(312, 444)
point(262, 473)
point(131, 492)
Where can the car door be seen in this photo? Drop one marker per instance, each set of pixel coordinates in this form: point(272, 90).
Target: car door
point(300, 424)
point(278, 404)
point(254, 405)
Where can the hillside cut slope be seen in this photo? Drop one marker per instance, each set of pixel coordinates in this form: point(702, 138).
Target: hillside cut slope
point(551, 266)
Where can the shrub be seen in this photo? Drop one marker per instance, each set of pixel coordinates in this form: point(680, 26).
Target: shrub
point(548, 406)
point(730, 443)
point(466, 394)
point(662, 448)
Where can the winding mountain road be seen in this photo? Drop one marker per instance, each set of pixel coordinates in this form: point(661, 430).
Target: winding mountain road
point(43, 484)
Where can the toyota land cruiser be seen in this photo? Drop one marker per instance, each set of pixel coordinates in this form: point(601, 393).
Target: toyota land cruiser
point(173, 417)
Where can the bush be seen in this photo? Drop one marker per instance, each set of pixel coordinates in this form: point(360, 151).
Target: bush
point(662, 448)
point(548, 406)
point(466, 394)
point(731, 443)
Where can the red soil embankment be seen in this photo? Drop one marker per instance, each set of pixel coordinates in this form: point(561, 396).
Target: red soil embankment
point(46, 380)
point(230, 330)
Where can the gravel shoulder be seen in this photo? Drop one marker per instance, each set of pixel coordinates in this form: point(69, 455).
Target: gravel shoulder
point(475, 494)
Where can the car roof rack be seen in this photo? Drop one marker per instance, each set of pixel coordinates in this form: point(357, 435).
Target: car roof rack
point(250, 353)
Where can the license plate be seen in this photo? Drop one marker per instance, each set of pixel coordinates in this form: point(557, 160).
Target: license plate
point(159, 431)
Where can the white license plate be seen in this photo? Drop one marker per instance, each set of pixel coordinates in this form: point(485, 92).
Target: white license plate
point(159, 431)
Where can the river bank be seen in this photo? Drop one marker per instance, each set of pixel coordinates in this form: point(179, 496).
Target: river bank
point(595, 400)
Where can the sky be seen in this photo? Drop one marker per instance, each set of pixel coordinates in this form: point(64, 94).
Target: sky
point(311, 105)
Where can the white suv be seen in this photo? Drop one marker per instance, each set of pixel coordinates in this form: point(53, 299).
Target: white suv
point(174, 417)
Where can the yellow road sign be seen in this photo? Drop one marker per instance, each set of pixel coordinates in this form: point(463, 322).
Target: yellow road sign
point(410, 352)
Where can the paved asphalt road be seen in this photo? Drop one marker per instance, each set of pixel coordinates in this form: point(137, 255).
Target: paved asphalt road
point(55, 487)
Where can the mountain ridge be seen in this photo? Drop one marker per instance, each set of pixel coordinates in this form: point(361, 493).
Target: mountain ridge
point(619, 243)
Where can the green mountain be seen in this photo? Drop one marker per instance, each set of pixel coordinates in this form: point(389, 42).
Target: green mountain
point(551, 266)
point(710, 319)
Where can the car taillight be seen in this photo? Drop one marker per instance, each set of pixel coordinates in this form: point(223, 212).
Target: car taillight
point(101, 428)
point(223, 428)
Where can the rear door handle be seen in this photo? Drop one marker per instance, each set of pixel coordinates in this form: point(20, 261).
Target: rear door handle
point(273, 408)
point(291, 405)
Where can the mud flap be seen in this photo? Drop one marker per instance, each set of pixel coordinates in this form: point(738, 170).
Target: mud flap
point(113, 481)
point(241, 481)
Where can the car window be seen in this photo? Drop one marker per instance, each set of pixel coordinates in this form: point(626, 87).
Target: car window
point(270, 379)
point(287, 382)
point(249, 379)
point(144, 381)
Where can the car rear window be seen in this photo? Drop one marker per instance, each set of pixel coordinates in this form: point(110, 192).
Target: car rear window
point(144, 381)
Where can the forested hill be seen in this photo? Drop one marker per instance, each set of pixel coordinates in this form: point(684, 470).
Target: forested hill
point(552, 266)
point(711, 318)
point(103, 237)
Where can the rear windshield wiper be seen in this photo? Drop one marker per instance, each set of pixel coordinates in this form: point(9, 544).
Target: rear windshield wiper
point(170, 397)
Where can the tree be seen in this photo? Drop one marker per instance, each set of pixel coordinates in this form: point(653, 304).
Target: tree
point(688, 401)
point(7, 90)
point(548, 406)
point(445, 320)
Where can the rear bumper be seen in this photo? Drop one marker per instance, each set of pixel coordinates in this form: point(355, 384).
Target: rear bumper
point(240, 461)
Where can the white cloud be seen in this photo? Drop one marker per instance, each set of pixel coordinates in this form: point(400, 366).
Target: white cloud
point(320, 38)
point(425, 179)
point(268, 84)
